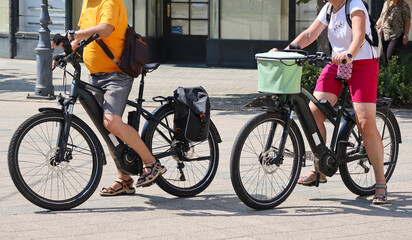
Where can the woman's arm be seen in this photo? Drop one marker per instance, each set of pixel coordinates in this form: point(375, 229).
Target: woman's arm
point(310, 35)
point(406, 31)
point(379, 23)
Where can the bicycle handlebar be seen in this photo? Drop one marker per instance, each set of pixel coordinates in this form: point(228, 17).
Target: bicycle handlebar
point(320, 56)
point(83, 43)
point(72, 55)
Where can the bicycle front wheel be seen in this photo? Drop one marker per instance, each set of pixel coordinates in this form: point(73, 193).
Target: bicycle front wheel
point(258, 183)
point(358, 175)
point(43, 180)
point(184, 177)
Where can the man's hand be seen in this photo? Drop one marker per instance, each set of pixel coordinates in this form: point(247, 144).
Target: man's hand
point(57, 60)
point(60, 39)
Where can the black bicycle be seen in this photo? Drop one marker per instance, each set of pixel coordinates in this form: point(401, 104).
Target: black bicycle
point(269, 151)
point(56, 160)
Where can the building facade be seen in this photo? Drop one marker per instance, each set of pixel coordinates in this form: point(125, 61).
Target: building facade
point(211, 32)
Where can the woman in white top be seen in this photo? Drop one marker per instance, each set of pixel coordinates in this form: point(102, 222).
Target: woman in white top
point(349, 43)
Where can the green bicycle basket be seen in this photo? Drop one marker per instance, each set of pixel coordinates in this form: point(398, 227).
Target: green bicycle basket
point(278, 72)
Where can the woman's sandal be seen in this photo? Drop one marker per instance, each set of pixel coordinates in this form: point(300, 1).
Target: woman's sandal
point(126, 188)
point(380, 198)
point(309, 181)
point(156, 169)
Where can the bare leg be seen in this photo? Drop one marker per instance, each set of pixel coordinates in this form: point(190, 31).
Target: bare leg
point(366, 119)
point(129, 135)
point(320, 122)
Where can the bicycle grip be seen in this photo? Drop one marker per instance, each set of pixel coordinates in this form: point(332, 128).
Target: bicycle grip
point(67, 47)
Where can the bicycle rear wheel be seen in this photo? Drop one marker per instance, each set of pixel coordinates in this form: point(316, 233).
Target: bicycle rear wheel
point(36, 173)
point(358, 175)
point(184, 178)
point(261, 185)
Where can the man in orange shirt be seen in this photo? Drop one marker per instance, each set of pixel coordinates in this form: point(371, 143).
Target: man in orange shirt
point(108, 18)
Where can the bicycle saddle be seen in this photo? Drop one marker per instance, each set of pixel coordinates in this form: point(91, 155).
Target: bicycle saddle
point(150, 67)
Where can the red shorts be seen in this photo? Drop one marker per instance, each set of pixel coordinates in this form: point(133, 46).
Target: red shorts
point(363, 85)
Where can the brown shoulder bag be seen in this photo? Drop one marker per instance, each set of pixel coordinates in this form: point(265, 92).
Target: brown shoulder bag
point(134, 53)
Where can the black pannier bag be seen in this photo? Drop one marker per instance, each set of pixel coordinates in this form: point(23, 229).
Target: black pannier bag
point(192, 114)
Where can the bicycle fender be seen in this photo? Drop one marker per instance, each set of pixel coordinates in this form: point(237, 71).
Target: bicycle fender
point(103, 156)
point(146, 124)
point(50, 110)
point(212, 125)
point(392, 117)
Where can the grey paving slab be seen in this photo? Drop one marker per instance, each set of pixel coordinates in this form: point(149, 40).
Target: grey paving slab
point(328, 212)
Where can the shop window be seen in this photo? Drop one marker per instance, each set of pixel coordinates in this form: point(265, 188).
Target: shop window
point(30, 11)
point(140, 17)
point(154, 18)
point(4, 16)
point(190, 17)
point(305, 14)
point(257, 19)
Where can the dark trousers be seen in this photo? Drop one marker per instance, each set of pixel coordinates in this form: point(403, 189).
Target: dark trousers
point(390, 48)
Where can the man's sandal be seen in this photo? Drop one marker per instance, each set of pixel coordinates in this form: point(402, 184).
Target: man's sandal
point(380, 198)
point(126, 188)
point(146, 179)
point(309, 181)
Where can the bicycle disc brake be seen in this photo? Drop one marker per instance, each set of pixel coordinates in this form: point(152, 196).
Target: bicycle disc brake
point(326, 165)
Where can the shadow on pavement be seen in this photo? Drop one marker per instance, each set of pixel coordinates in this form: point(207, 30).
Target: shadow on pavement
point(230, 205)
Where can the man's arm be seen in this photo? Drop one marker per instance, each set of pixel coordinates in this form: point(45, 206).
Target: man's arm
point(104, 30)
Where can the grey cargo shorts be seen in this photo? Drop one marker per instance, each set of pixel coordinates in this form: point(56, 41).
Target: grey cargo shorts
point(117, 87)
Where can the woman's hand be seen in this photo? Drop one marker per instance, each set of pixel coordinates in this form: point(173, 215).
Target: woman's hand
point(405, 39)
point(339, 57)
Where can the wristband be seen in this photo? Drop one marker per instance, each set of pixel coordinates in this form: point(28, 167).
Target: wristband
point(71, 33)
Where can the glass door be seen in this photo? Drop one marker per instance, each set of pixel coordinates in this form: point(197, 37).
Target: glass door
point(188, 22)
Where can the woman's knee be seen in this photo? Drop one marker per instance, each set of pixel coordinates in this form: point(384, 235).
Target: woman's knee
point(317, 114)
point(367, 126)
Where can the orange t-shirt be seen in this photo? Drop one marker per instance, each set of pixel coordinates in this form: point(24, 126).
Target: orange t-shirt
point(95, 12)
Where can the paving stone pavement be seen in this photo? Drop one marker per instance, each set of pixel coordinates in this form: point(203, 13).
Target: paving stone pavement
point(328, 212)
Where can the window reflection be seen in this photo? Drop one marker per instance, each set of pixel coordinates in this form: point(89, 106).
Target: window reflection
point(199, 10)
point(257, 19)
point(198, 27)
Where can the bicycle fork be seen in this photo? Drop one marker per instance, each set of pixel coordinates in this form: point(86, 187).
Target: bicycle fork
point(278, 158)
point(62, 140)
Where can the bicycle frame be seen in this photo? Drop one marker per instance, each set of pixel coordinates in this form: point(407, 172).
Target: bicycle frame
point(298, 103)
point(83, 92)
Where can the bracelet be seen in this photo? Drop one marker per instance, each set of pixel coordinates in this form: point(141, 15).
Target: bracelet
point(71, 33)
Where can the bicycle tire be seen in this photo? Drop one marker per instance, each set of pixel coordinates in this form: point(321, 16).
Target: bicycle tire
point(358, 175)
point(45, 182)
point(261, 186)
point(195, 176)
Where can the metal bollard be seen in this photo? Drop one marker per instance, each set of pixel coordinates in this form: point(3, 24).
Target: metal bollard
point(44, 86)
